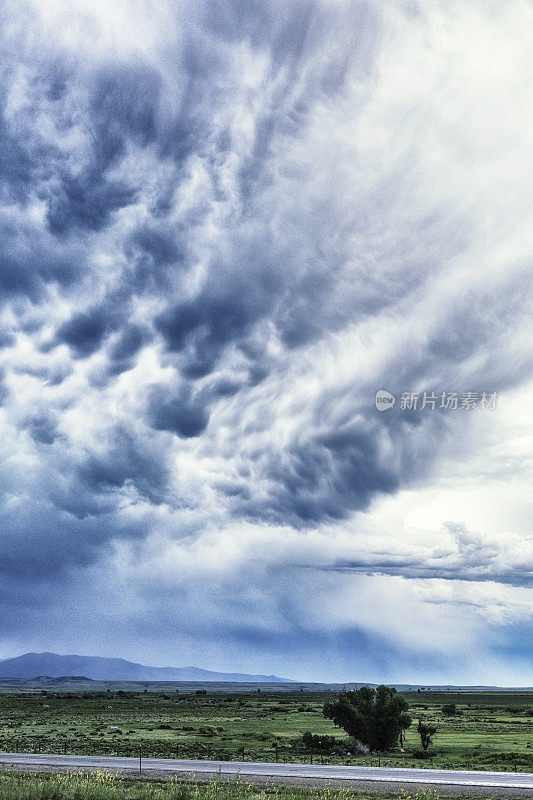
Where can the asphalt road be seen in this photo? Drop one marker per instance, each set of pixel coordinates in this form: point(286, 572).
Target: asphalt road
point(520, 780)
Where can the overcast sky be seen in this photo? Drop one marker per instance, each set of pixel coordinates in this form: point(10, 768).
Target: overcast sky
point(225, 225)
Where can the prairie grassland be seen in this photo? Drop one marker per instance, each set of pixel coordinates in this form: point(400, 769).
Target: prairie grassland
point(494, 730)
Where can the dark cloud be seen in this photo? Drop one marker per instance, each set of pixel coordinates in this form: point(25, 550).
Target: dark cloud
point(85, 331)
point(203, 327)
point(25, 157)
point(30, 262)
point(224, 387)
point(42, 543)
point(121, 109)
point(43, 428)
point(335, 468)
point(178, 411)
point(157, 250)
point(125, 461)
point(124, 106)
point(124, 349)
point(6, 339)
point(86, 200)
point(4, 391)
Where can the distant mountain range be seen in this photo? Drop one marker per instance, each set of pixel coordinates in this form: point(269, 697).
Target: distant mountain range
point(35, 665)
point(50, 669)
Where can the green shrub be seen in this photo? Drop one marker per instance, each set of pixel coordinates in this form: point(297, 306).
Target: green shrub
point(421, 754)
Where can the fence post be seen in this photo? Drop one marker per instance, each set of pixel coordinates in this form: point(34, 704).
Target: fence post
point(379, 759)
point(177, 750)
point(140, 759)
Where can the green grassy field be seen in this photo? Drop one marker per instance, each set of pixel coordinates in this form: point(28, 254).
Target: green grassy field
point(107, 786)
point(495, 730)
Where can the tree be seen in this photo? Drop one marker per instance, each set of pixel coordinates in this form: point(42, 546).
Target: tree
point(375, 717)
point(405, 722)
point(427, 731)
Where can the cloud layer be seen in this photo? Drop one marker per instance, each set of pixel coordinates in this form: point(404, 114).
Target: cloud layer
point(225, 226)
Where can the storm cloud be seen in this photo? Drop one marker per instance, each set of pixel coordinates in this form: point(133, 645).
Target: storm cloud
point(224, 228)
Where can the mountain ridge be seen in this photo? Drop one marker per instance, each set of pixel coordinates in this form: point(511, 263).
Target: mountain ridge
point(33, 665)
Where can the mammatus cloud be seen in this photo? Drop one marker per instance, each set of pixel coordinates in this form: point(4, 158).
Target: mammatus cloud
point(224, 227)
